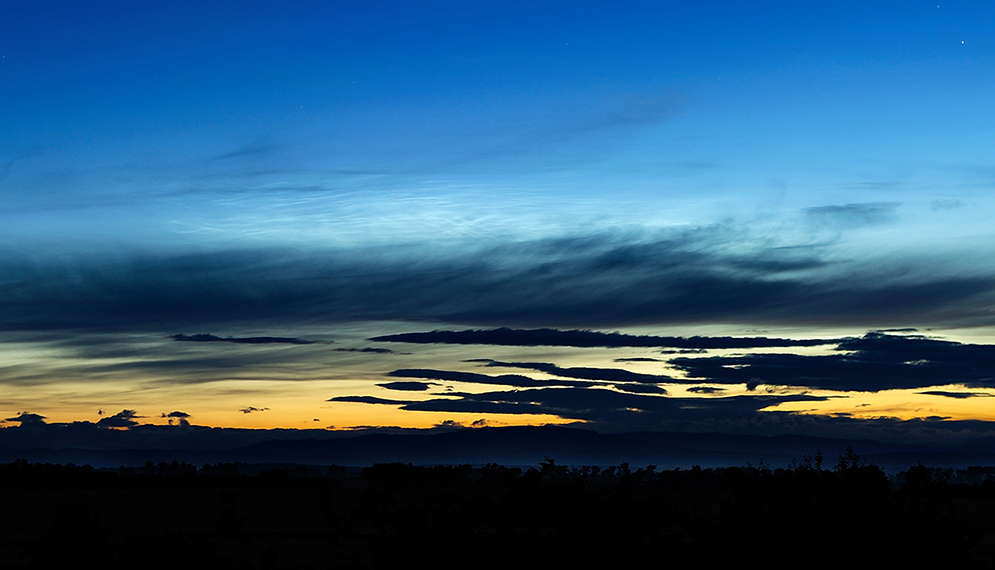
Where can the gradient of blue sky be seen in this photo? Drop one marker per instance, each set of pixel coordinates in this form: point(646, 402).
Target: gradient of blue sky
point(184, 126)
point(271, 169)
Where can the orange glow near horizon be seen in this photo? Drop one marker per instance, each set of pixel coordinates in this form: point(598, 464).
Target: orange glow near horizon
point(289, 386)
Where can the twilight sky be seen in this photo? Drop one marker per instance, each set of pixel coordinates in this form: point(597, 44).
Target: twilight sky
point(213, 208)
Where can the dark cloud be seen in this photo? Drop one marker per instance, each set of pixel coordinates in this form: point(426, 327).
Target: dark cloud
point(244, 340)
point(177, 418)
point(367, 349)
point(596, 281)
point(635, 406)
point(516, 380)
point(705, 390)
point(606, 407)
point(27, 419)
point(641, 388)
point(873, 362)
point(588, 339)
point(408, 386)
point(638, 359)
point(251, 409)
point(585, 373)
point(367, 400)
point(175, 415)
point(957, 395)
point(122, 419)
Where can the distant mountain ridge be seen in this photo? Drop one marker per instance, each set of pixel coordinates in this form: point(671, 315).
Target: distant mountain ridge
point(522, 446)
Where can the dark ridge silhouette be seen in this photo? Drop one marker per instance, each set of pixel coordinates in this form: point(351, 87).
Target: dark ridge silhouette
point(243, 340)
point(86, 443)
point(392, 514)
point(588, 339)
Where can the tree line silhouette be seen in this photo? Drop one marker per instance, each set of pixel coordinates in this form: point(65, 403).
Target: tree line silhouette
point(389, 515)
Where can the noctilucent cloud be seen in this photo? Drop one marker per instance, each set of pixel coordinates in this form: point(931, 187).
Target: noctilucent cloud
point(211, 208)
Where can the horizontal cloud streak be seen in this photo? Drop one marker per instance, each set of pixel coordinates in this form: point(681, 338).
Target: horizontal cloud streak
point(242, 340)
point(871, 363)
point(852, 215)
point(588, 339)
point(584, 373)
point(470, 377)
point(598, 406)
point(408, 386)
point(955, 395)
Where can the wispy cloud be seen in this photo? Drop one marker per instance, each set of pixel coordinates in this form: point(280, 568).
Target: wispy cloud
point(598, 281)
point(853, 215)
point(552, 337)
point(243, 340)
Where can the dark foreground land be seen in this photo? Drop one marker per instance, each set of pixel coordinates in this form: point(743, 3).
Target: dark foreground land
point(399, 515)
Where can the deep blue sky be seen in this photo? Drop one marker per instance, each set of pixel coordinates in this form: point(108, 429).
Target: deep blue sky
point(180, 126)
point(259, 168)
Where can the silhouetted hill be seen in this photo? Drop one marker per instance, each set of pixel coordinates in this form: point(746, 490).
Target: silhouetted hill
point(527, 445)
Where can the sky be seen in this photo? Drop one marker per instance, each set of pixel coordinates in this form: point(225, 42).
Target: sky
point(222, 213)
